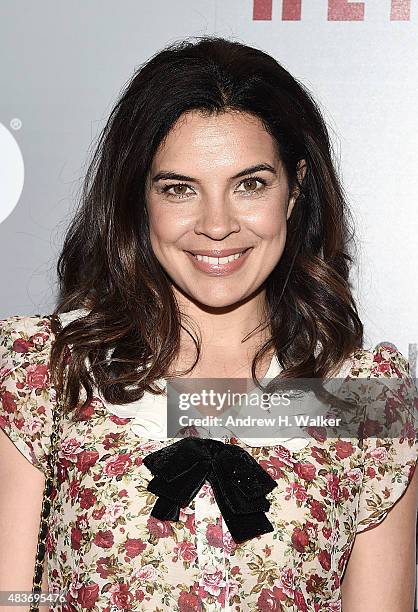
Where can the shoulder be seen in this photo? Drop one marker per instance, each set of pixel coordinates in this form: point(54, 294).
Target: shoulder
point(25, 342)
point(384, 383)
point(28, 335)
point(389, 430)
point(27, 396)
point(383, 361)
point(25, 345)
point(24, 335)
point(381, 379)
point(25, 393)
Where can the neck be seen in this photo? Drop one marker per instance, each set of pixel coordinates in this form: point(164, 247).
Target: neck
point(222, 332)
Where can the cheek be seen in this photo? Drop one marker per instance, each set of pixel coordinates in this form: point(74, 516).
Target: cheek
point(166, 226)
point(269, 224)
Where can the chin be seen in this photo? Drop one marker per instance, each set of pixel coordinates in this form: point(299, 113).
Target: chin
point(221, 301)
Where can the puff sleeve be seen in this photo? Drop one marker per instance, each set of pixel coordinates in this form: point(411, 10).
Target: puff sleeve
point(26, 396)
point(390, 443)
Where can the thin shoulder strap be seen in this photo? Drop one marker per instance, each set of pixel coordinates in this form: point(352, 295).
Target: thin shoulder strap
point(46, 508)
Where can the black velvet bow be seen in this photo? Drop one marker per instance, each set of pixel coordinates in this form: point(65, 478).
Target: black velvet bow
point(239, 483)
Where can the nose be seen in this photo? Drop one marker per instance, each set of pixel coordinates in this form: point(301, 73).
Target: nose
point(217, 218)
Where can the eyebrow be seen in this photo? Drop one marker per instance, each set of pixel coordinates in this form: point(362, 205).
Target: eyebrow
point(181, 177)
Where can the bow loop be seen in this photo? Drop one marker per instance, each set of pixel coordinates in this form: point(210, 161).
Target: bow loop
point(178, 459)
point(237, 465)
point(239, 483)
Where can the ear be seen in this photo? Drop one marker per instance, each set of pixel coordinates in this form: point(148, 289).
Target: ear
point(301, 171)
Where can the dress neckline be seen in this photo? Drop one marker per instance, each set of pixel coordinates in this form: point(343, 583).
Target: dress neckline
point(148, 415)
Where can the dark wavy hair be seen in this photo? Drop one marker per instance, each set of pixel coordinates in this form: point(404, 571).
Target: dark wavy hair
point(107, 264)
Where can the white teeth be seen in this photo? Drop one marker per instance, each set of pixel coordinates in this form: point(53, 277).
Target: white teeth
point(218, 260)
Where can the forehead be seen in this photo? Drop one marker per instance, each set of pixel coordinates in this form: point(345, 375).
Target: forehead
point(231, 137)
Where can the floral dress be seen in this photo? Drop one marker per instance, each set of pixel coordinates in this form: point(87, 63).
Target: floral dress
point(106, 551)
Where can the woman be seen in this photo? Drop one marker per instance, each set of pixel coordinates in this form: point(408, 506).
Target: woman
point(212, 241)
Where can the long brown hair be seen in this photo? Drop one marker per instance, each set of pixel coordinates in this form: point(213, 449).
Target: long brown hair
point(131, 335)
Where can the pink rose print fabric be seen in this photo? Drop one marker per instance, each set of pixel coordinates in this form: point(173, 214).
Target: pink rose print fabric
point(107, 553)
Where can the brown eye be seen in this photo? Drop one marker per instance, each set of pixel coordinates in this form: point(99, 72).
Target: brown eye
point(180, 189)
point(251, 184)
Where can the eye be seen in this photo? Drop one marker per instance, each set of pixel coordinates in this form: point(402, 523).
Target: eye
point(180, 190)
point(250, 185)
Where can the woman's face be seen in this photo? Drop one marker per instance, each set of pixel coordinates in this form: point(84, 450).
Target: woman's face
point(216, 186)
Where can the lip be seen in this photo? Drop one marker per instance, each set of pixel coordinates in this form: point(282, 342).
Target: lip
point(220, 269)
point(218, 252)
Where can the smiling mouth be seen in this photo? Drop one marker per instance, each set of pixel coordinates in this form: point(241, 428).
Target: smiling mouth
point(219, 260)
